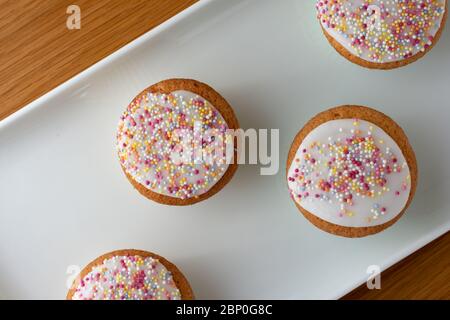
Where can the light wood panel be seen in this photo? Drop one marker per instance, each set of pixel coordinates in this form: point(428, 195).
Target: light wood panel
point(38, 52)
point(423, 275)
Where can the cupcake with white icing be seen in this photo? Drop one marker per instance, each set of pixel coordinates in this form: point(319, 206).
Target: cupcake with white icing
point(174, 142)
point(351, 171)
point(382, 34)
point(130, 275)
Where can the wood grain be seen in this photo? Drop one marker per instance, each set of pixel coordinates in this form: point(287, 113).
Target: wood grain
point(423, 275)
point(38, 52)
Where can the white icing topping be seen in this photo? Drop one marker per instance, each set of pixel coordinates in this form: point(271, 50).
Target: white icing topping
point(152, 138)
point(351, 173)
point(128, 278)
point(382, 31)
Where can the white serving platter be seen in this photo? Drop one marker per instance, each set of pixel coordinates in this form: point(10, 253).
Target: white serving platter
point(64, 199)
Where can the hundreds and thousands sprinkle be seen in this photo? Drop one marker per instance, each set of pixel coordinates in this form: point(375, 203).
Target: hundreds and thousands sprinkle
point(155, 127)
point(382, 30)
point(350, 169)
point(129, 277)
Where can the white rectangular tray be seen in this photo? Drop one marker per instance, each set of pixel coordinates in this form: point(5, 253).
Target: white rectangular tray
point(64, 199)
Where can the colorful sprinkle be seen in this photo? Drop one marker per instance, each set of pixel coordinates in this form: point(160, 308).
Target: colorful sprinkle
point(382, 30)
point(155, 126)
point(128, 278)
point(352, 173)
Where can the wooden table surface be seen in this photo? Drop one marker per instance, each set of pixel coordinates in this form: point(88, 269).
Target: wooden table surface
point(38, 52)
